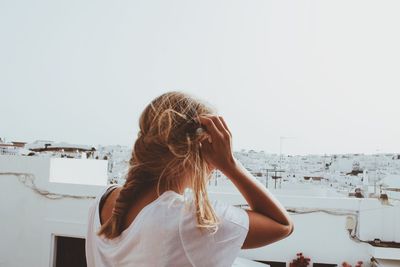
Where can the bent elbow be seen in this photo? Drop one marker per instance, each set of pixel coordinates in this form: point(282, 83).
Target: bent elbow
point(289, 229)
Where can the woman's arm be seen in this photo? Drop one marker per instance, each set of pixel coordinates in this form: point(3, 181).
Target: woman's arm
point(268, 219)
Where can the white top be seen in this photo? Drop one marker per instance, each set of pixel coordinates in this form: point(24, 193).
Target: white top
point(164, 233)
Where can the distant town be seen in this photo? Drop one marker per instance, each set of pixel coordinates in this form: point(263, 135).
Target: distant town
point(355, 175)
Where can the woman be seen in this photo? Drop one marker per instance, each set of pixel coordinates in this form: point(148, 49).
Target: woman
point(162, 216)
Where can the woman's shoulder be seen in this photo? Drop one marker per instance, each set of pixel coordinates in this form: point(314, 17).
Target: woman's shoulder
point(216, 248)
point(233, 222)
point(231, 214)
point(227, 214)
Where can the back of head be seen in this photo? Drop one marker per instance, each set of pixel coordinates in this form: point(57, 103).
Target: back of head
point(166, 152)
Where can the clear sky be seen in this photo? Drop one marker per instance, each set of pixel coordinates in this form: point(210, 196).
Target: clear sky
point(326, 73)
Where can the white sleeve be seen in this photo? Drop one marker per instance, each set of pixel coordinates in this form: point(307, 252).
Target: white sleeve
point(234, 224)
point(220, 248)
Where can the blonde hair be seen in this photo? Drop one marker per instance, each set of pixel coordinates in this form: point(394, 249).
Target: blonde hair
point(166, 151)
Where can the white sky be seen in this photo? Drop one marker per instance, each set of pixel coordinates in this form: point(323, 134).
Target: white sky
point(324, 72)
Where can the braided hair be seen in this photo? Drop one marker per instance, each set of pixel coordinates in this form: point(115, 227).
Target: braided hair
point(165, 152)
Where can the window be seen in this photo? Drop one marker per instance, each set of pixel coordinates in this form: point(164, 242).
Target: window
point(69, 251)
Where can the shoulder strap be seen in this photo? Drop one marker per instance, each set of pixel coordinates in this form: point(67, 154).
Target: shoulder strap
point(105, 195)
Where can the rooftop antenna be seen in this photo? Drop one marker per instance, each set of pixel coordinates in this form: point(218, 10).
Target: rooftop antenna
point(281, 139)
point(376, 170)
point(274, 176)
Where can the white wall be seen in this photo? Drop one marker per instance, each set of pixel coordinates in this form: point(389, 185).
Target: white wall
point(78, 171)
point(29, 220)
point(324, 237)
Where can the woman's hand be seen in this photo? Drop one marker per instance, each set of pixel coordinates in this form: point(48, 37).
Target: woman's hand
point(268, 219)
point(217, 149)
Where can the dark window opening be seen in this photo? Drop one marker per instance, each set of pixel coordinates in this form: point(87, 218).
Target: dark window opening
point(69, 251)
point(274, 263)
